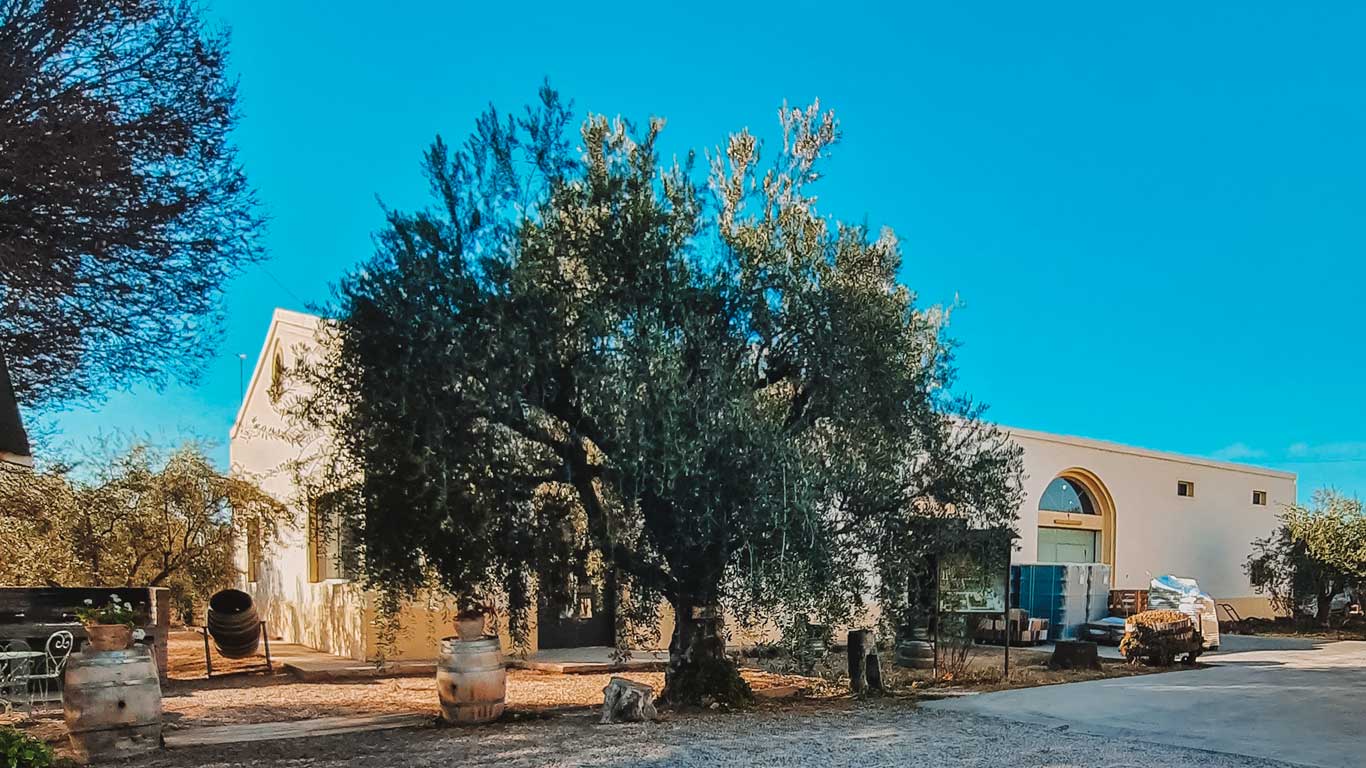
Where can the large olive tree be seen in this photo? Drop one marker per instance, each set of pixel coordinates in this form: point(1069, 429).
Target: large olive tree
point(582, 362)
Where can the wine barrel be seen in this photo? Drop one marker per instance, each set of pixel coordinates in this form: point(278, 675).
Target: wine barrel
point(233, 624)
point(112, 703)
point(470, 680)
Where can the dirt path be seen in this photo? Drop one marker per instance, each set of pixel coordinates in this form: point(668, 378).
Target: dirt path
point(858, 735)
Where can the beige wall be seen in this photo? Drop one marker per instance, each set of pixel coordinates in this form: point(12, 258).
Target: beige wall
point(1207, 537)
point(328, 615)
point(422, 625)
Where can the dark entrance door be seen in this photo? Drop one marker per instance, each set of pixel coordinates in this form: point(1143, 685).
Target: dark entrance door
point(589, 620)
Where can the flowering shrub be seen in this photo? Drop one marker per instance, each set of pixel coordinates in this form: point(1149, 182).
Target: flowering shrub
point(19, 750)
point(115, 611)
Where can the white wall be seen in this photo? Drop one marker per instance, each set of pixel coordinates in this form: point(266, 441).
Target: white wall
point(329, 615)
point(1207, 537)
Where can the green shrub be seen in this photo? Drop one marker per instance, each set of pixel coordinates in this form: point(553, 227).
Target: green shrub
point(19, 750)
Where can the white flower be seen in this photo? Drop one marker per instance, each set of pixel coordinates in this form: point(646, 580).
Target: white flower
point(88, 601)
point(127, 606)
point(114, 598)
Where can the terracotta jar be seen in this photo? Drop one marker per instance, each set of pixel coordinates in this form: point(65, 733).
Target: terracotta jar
point(470, 627)
point(109, 637)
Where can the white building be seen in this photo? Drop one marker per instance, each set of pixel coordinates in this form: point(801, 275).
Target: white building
point(1147, 513)
point(1143, 512)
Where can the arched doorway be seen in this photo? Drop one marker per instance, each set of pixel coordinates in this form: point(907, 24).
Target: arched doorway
point(1076, 520)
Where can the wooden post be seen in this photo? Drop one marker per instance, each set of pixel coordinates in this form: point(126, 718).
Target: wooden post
point(1005, 675)
point(265, 638)
point(208, 662)
point(159, 604)
point(934, 619)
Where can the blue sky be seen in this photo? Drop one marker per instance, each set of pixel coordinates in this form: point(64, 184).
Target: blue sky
point(1153, 216)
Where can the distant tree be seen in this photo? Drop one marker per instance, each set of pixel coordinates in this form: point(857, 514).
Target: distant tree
point(123, 209)
point(1316, 553)
point(138, 519)
point(580, 365)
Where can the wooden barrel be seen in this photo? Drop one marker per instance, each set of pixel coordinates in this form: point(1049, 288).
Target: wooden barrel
point(233, 624)
point(112, 702)
point(471, 680)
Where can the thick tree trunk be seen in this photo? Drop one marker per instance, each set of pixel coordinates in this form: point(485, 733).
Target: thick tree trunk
point(699, 670)
point(1325, 608)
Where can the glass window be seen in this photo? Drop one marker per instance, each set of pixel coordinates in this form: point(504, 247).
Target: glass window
point(1185, 488)
point(1259, 498)
point(253, 549)
point(276, 390)
point(1063, 495)
point(331, 541)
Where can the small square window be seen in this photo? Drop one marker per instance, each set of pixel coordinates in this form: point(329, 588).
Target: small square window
point(1185, 488)
point(1259, 498)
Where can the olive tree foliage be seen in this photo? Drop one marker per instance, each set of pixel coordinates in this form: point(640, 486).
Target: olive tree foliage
point(139, 517)
point(1316, 553)
point(123, 207)
point(586, 363)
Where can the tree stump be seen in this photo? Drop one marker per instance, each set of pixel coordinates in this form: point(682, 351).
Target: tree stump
point(859, 640)
point(874, 671)
point(865, 669)
point(1074, 654)
point(625, 701)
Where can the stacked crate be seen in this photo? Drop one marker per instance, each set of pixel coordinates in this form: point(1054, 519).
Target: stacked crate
point(1066, 595)
point(1024, 630)
point(1127, 602)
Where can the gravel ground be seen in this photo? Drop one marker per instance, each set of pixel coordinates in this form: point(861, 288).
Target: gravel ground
point(874, 734)
point(246, 694)
point(265, 699)
point(554, 725)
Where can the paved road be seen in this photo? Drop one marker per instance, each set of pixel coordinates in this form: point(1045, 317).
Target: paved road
point(1293, 701)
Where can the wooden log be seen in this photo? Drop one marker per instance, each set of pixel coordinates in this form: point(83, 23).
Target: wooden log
point(860, 640)
point(1074, 654)
point(626, 701)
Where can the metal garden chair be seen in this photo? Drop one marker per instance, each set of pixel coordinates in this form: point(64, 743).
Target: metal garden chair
point(16, 671)
point(56, 650)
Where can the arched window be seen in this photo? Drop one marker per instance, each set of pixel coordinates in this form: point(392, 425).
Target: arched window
point(277, 377)
point(1063, 495)
point(1076, 520)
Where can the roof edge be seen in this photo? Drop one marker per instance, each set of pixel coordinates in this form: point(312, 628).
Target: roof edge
point(279, 317)
point(1180, 458)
